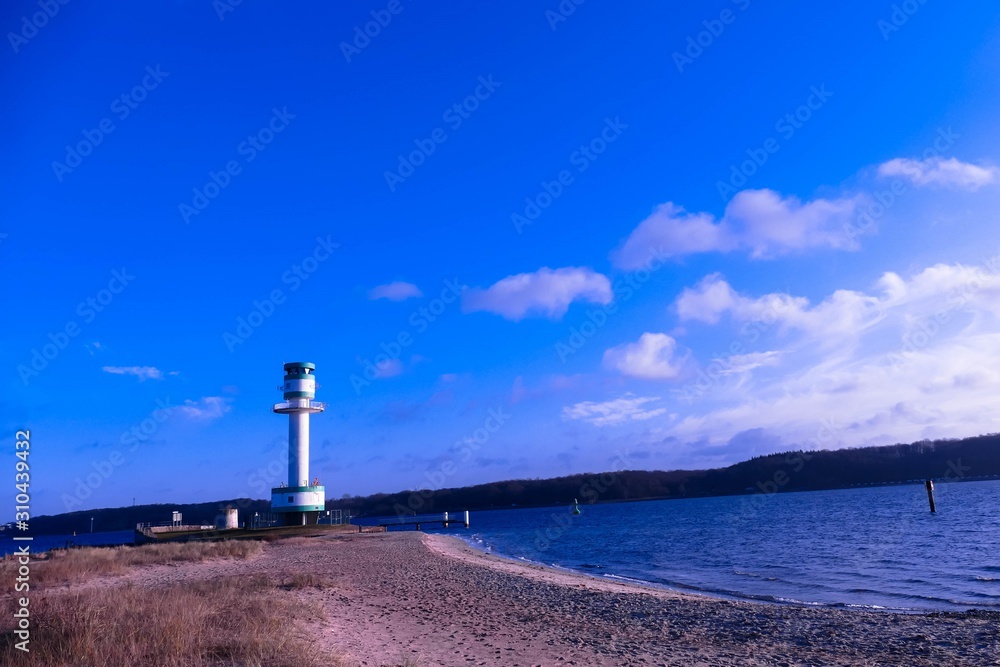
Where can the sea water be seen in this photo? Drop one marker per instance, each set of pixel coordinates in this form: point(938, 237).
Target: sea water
point(39, 543)
point(875, 547)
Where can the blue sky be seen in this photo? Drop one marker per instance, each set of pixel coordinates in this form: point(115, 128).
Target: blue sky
point(578, 235)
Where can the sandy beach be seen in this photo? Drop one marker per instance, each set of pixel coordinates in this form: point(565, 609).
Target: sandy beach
point(416, 599)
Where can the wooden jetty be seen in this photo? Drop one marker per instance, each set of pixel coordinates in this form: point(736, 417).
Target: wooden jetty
point(417, 522)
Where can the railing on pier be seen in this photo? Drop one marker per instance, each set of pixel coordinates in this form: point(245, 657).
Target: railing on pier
point(326, 518)
point(150, 528)
point(416, 521)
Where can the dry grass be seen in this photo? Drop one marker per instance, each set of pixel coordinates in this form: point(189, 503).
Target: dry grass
point(250, 621)
point(75, 565)
point(307, 580)
point(231, 621)
point(294, 541)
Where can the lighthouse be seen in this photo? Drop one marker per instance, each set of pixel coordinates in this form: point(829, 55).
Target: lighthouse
point(299, 503)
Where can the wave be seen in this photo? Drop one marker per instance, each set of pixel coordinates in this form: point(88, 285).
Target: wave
point(723, 593)
point(628, 579)
point(818, 567)
point(909, 602)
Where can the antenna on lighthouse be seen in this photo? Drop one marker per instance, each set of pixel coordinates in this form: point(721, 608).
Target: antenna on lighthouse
point(299, 503)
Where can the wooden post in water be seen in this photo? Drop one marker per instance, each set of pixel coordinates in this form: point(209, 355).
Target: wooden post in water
point(929, 485)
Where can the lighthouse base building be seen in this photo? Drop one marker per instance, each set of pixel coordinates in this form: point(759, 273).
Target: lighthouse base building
point(299, 503)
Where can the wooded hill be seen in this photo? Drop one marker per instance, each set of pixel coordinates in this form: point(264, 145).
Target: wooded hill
point(966, 459)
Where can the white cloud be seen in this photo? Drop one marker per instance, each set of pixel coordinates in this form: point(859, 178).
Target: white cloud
point(911, 358)
point(761, 222)
point(846, 313)
point(707, 301)
point(771, 225)
point(624, 409)
point(843, 313)
point(142, 372)
point(672, 231)
point(546, 292)
point(396, 291)
point(941, 172)
point(744, 363)
point(945, 390)
point(209, 407)
point(650, 358)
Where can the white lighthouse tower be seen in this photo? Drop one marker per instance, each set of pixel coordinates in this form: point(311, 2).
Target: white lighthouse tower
point(299, 503)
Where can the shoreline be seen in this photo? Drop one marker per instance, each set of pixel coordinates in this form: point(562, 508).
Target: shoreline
point(450, 546)
point(423, 600)
point(464, 551)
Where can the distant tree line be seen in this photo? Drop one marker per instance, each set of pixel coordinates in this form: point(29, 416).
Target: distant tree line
point(126, 518)
point(965, 459)
point(954, 460)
